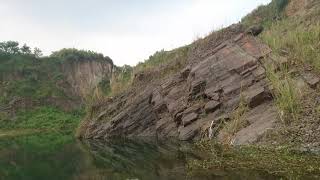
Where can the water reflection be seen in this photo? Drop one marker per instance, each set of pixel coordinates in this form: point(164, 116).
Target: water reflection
point(142, 158)
point(60, 157)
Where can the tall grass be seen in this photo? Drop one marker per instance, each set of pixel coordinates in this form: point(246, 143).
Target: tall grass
point(301, 44)
point(286, 94)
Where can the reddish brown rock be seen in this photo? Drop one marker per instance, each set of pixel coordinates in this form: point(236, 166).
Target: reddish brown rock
point(256, 95)
point(171, 107)
point(211, 106)
point(212, 94)
point(189, 118)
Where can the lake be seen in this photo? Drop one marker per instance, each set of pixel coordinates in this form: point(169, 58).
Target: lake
point(52, 156)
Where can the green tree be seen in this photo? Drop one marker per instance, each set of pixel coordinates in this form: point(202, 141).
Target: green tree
point(25, 49)
point(37, 52)
point(10, 47)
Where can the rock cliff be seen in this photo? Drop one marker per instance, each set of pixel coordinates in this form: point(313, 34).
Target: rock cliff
point(85, 75)
point(229, 86)
point(195, 100)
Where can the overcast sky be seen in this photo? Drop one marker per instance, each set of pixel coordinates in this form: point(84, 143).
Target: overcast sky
point(128, 31)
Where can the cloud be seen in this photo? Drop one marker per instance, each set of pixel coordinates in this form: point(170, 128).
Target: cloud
point(127, 32)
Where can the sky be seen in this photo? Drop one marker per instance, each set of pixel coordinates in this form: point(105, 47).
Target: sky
point(128, 31)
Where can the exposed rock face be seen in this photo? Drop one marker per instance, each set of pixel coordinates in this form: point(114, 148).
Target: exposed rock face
point(255, 30)
point(84, 75)
point(184, 105)
point(261, 119)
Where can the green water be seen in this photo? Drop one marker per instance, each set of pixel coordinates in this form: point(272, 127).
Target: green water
point(56, 156)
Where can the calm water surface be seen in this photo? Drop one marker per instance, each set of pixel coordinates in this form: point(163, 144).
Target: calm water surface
point(59, 157)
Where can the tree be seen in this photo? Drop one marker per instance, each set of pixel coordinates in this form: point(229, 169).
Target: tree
point(25, 49)
point(37, 52)
point(10, 47)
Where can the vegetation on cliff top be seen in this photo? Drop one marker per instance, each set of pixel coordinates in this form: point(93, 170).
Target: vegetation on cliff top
point(38, 81)
point(72, 54)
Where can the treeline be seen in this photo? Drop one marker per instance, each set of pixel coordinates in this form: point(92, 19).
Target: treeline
point(13, 48)
point(69, 54)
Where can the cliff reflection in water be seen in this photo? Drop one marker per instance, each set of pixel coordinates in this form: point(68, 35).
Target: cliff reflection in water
point(140, 159)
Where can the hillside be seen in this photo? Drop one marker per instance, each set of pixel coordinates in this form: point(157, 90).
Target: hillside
point(237, 85)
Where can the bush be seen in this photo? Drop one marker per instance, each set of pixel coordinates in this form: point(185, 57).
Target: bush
point(44, 118)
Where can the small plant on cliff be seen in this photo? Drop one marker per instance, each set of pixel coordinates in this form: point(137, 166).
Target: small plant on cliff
point(237, 119)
